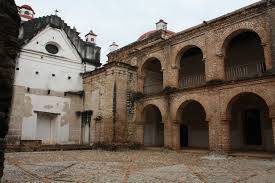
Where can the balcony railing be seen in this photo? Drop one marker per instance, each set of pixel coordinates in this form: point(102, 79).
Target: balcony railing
point(192, 80)
point(152, 89)
point(244, 71)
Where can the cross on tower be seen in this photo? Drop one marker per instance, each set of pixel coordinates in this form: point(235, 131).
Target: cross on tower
point(56, 11)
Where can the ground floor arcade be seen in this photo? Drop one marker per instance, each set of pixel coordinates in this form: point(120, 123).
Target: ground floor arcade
point(227, 117)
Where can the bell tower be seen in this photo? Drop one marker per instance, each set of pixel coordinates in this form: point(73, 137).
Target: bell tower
point(91, 37)
point(26, 13)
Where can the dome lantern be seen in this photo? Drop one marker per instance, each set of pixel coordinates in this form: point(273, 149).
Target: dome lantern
point(161, 25)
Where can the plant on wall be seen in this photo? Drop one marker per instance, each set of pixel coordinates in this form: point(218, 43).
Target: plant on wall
point(169, 90)
point(98, 118)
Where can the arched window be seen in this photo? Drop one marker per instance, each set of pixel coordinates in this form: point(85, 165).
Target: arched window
point(192, 68)
point(193, 126)
point(250, 125)
point(153, 77)
point(244, 56)
point(153, 127)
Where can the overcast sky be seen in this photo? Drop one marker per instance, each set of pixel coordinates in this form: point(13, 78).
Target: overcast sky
point(123, 21)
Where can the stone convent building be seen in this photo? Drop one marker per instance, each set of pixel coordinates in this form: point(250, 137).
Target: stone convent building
point(48, 89)
point(211, 86)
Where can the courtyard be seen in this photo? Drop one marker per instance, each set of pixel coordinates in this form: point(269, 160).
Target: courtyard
point(153, 165)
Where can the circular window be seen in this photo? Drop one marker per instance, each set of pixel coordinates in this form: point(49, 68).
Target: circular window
point(52, 49)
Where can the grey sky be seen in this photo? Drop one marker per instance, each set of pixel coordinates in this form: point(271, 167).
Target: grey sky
point(124, 21)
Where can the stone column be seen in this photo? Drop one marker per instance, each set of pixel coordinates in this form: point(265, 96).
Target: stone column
point(9, 30)
point(224, 134)
point(176, 135)
point(267, 56)
point(140, 82)
point(140, 133)
point(272, 117)
point(171, 77)
point(167, 135)
point(214, 67)
point(273, 130)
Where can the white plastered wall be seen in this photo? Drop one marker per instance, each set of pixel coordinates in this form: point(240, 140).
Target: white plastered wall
point(47, 104)
point(36, 68)
point(66, 63)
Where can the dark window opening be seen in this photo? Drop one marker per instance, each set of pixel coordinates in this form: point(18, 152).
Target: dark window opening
point(52, 49)
point(153, 77)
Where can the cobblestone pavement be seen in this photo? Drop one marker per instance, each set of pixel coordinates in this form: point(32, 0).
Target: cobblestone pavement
point(134, 166)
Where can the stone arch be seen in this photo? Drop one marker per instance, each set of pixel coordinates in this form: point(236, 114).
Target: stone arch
point(140, 108)
point(236, 97)
point(152, 76)
point(249, 122)
point(153, 126)
point(243, 54)
point(226, 110)
point(228, 37)
point(149, 58)
point(182, 102)
point(185, 48)
point(191, 67)
point(194, 130)
point(186, 103)
point(152, 105)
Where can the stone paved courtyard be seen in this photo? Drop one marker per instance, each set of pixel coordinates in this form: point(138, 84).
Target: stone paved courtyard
point(134, 166)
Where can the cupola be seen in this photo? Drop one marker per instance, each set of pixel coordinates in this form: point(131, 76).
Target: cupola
point(91, 37)
point(26, 13)
point(161, 25)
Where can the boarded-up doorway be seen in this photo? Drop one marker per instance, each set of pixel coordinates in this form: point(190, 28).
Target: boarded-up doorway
point(86, 127)
point(46, 128)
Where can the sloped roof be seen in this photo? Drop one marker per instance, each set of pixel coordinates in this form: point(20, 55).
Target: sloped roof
point(89, 52)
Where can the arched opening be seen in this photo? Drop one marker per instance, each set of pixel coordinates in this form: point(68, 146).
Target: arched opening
point(250, 126)
point(192, 68)
point(153, 77)
point(153, 127)
point(193, 127)
point(244, 56)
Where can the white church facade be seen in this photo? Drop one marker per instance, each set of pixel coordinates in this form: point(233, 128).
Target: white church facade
point(48, 89)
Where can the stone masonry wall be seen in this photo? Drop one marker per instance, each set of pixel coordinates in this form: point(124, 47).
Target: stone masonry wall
point(215, 101)
point(212, 37)
point(113, 86)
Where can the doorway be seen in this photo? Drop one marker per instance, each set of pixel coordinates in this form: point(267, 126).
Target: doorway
point(85, 127)
point(46, 128)
point(183, 135)
point(252, 127)
point(153, 127)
